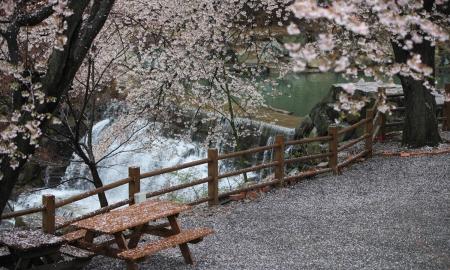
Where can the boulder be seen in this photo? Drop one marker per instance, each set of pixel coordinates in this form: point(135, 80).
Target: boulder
point(322, 115)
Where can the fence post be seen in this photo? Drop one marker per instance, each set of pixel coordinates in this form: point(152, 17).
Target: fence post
point(134, 186)
point(48, 215)
point(213, 173)
point(369, 131)
point(446, 109)
point(333, 148)
point(279, 157)
point(381, 96)
point(383, 127)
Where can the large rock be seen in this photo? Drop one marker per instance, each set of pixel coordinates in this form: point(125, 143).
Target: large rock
point(322, 115)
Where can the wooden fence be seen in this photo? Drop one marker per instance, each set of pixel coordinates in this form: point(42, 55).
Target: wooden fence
point(394, 125)
point(372, 124)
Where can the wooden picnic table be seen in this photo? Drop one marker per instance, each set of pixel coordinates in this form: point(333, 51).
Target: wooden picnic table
point(28, 249)
point(127, 225)
point(33, 249)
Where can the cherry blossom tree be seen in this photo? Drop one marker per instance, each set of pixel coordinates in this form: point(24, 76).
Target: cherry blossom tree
point(193, 56)
point(43, 44)
point(182, 56)
point(199, 62)
point(381, 39)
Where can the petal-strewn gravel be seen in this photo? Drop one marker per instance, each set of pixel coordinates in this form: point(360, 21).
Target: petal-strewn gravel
point(384, 213)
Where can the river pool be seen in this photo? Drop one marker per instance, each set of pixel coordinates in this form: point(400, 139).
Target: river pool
point(298, 93)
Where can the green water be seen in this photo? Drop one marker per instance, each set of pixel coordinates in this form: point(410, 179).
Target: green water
point(298, 93)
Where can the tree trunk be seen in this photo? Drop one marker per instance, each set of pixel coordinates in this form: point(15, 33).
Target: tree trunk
point(6, 185)
point(421, 125)
point(98, 183)
point(9, 175)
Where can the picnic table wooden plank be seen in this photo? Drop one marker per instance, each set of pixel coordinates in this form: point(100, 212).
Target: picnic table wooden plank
point(136, 218)
point(184, 236)
point(74, 236)
point(75, 252)
point(25, 240)
point(32, 249)
point(130, 217)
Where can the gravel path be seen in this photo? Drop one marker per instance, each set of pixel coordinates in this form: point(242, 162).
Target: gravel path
point(385, 213)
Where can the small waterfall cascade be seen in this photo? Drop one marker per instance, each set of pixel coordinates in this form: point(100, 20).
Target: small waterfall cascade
point(263, 134)
point(268, 134)
point(162, 152)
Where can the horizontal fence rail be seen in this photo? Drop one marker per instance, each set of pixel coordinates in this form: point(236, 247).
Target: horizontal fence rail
point(92, 192)
point(307, 158)
point(249, 169)
point(307, 174)
point(199, 201)
point(353, 127)
point(23, 212)
point(353, 142)
point(246, 152)
point(177, 187)
point(373, 124)
point(252, 187)
point(175, 168)
point(309, 140)
point(353, 158)
point(393, 96)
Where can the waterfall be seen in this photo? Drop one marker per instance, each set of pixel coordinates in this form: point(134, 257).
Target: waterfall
point(264, 134)
point(268, 134)
point(163, 152)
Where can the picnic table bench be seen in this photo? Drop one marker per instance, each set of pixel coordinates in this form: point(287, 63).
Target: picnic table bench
point(33, 249)
point(122, 230)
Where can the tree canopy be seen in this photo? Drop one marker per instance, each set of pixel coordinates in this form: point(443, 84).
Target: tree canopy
point(380, 39)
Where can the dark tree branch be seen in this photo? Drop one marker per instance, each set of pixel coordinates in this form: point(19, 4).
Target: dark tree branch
point(35, 17)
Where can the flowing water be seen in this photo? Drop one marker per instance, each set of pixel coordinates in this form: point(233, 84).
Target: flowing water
point(162, 153)
point(165, 152)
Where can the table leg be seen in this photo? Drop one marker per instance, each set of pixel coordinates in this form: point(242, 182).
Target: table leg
point(135, 236)
point(89, 237)
point(122, 243)
point(132, 266)
point(22, 264)
point(52, 258)
point(120, 240)
point(183, 247)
